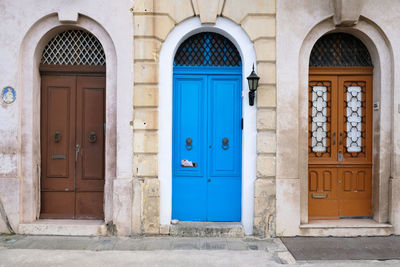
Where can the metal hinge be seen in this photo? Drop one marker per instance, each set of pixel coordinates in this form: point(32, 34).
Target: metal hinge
point(242, 123)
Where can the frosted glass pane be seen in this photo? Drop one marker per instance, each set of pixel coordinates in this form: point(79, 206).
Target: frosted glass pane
point(319, 118)
point(354, 117)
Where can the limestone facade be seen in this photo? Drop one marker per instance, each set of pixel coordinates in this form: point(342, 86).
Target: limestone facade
point(139, 39)
point(153, 21)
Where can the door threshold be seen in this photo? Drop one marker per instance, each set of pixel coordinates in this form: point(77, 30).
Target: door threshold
point(207, 229)
point(346, 227)
point(64, 227)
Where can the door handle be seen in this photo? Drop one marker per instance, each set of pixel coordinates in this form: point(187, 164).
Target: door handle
point(225, 143)
point(57, 137)
point(92, 137)
point(77, 147)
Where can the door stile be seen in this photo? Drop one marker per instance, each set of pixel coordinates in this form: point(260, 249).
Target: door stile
point(58, 102)
point(89, 179)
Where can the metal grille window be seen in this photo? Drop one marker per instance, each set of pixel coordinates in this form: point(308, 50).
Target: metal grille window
point(207, 49)
point(339, 50)
point(74, 47)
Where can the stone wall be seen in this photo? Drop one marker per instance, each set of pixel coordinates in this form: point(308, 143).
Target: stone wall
point(153, 20)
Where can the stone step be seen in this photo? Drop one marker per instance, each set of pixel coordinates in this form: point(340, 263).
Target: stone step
point(64, 227)
point(207, 229)
point(346, 227)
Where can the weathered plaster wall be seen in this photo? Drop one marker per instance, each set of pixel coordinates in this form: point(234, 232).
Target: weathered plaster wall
point(153, 20)
point(18, 19)
point(299, 23)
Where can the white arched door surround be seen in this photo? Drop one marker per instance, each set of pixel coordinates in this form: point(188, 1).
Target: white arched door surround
point(244, 45)
point(29, 81)
point(380, 51)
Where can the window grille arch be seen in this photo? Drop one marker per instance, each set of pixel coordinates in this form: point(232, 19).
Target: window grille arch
point(339, 50)
point(74, 47)
point(207, 49)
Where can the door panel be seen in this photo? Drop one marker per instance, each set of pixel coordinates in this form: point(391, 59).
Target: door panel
point(207, 109)
point(355, 193)
point(224, 120)
point(90, 133)
point(189, 184)
point(71, 107)
point(322, 196)
point(57, 205)
point(57, 124)
point(89, 205)
point(350, 151)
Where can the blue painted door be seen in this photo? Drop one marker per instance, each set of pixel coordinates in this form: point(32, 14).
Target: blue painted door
point(207, 133)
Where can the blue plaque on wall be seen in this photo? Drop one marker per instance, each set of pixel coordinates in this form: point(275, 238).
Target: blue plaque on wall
point(8, 95)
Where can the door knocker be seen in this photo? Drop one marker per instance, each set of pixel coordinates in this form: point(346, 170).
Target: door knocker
point(92, 137)
point(188, 143)
point(225, 143)
point(57, 137)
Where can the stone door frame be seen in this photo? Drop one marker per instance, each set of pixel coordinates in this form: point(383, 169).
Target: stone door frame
point(245, 46)
point(296, 207)
point(29, 126)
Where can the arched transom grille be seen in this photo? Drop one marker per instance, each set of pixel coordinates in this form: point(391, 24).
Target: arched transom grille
point(207, 49)
point(339, 50)
point(74, 47)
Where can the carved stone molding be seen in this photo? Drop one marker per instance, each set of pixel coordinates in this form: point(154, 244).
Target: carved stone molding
point(208, 10)
point(346, 12)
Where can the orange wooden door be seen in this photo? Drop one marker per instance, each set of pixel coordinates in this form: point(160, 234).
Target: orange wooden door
point(340, 143)
point(72, 147)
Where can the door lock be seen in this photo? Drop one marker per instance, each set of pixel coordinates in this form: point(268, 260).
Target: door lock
point(340, 155)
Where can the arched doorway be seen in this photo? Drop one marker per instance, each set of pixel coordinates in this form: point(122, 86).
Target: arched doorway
point(340, 128)
point(73, 127)
point(207, 125)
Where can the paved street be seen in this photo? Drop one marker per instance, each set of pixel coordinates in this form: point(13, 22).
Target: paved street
point(45, 251)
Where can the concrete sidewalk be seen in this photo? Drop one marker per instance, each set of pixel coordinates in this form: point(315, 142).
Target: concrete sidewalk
point(19, 250)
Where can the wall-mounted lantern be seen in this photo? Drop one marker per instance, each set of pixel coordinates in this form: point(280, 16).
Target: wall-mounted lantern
point(253, 84)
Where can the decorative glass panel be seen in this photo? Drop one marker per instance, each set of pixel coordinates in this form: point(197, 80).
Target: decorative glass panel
point(319, 118)
point(207, 49)
point(354, 119)
point(354, 125)
point(74, 47)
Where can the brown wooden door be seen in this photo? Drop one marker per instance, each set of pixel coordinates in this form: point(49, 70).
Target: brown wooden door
point(72, 146)
point(340, 143)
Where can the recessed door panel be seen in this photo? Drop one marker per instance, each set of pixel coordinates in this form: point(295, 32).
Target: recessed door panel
point(345, 149)
point(189, 125)
point(322, 193)
point(207, 109)
point(225, 125)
